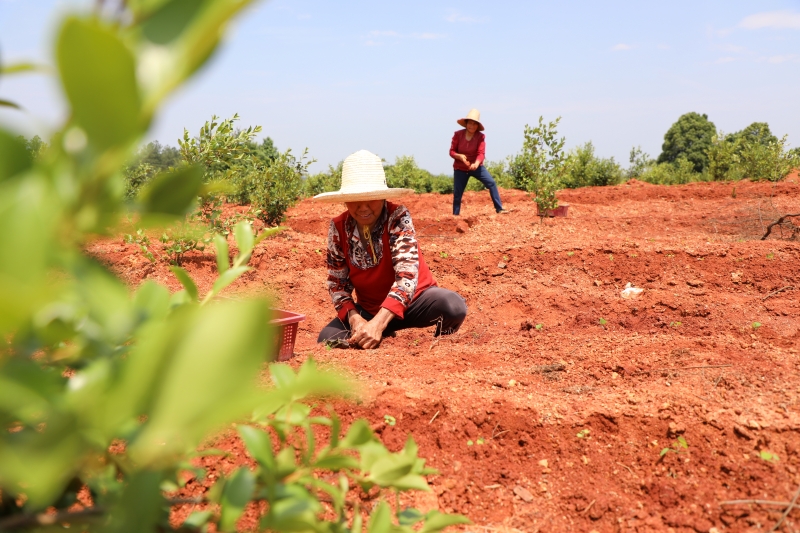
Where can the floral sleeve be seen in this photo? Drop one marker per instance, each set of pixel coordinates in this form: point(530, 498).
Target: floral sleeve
point(405, 256)
point(339, 285)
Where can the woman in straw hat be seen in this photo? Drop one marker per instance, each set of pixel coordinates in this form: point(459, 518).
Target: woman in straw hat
point(373, 249)
point(468, 149)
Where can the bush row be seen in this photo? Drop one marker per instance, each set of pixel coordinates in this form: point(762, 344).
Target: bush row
point(271, 181)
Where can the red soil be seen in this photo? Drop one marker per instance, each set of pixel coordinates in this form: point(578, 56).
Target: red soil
point(684, 359)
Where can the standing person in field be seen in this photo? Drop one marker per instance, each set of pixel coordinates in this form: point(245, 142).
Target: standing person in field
point(373, 249)
point(468, 150)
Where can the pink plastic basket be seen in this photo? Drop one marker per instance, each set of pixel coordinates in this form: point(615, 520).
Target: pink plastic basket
point(560, 211)
point(285, 323)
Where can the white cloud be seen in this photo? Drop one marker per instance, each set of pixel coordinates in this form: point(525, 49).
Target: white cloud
point(455, 16)
point(732, 48)
point(783, 58)
point(621, 47)
point(727, 59)
point(429, 36)
point(785, 19)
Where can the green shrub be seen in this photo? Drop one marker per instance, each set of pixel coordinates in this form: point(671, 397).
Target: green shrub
point(584, 169)
point(639, 161)
point(677, 173)
point(541, 166)
point(324, 181)
point(273, 189)
point(753, 153)
point(405, 173)
point(442, 184)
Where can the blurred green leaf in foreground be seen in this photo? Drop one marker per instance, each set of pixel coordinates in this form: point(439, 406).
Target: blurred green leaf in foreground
point(107, 393)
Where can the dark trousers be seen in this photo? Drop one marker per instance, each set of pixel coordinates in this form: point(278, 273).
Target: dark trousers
point(460, 179)
point(435, 307)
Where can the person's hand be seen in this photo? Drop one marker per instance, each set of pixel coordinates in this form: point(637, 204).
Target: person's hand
point(463, 158)
point(368, 334)
point(365, 334)
point(474, 165)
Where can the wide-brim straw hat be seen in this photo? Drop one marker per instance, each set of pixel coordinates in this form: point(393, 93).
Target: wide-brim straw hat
point(473, 114)
point(363, 179)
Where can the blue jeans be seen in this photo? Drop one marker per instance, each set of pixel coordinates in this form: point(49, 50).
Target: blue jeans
point(460, 179)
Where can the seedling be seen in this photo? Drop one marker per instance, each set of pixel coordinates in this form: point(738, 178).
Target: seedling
point(756, 325)
point(679, 446)
point(390, 420)
point(505, 258)
point(443, 255)
point(610, 257)
point(632, 255)
point(770, 256)
point(675, 324)
point(539, 326)
point(336, 343)
point(603, 321)
point(143, 242)
point(583, 434)
point(318, 250)
point(570, 254)
point(480, 441)
point(470, 443)
point(768, 456)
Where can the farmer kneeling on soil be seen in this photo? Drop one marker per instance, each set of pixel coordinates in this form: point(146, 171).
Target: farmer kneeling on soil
point(372, 248)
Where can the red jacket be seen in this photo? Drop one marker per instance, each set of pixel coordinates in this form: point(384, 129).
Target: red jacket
point(475, 150)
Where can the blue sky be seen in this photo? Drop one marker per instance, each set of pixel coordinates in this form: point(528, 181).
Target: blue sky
point(393, 77)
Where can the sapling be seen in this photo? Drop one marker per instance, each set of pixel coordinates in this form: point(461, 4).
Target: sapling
point(679, 446)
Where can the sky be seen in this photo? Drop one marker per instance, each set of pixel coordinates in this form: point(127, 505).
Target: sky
point(393, 77)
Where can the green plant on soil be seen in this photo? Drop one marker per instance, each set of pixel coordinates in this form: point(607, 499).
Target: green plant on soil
point(110, 391)
point(143, 242)
point(678, 446)
point(389, 420)
point(755, 325)
point(182, 238)
point(583, 434)
point(768, 456)
point(603, 321)
point(675, 324)
point(542, 164)
point(539, 326)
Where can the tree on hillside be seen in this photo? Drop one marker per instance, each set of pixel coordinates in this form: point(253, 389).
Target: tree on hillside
point(753, 153)
point(689, 138)
point(159, 156)
point(757, 133)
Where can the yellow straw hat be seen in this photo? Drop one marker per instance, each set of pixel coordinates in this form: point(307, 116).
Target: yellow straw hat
point(473, 114)
point(363, 178)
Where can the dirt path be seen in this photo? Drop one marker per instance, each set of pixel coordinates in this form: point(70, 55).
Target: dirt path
point(550, 351)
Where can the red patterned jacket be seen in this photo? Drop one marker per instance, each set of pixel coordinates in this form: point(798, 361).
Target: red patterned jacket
point(399, 275)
